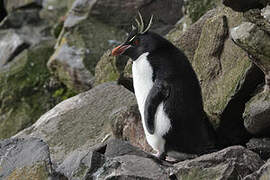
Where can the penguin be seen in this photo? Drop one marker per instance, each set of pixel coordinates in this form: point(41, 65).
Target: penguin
point(168, 95)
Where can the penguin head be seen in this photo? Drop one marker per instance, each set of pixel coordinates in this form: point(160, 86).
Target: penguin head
point(139, 41)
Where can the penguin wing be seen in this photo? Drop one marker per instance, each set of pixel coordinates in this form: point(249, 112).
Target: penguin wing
point(158, 93)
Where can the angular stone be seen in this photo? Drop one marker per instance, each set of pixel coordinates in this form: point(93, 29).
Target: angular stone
point(257, 43)
point(80, 163)
point(81, 121)
point(131, 167)
point(230, 163)
point(11, 44)
point(260, 146)
point(67, 64)
point(257, 114)
point(24, 158)
point(226, 76)
point(263, 173)
point(188, 41)
point(127, 125)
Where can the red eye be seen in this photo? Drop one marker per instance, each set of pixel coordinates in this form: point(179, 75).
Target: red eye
point(136, 42)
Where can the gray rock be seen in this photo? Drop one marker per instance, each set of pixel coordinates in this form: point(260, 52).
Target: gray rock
point(260, 17)
point(231, 163)
point(11, 44)
point(81, 121)
point(131, 167)
point(19, 155)
point(79, 164)
point(257, 43)
point(116, 147)
point(127, 125)
point(121, 13)
point(257, 114)
point(260, 146)
point(67, 64)
point(263, 173)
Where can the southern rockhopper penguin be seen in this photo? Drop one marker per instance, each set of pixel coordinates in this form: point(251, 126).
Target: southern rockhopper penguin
point(168, 95)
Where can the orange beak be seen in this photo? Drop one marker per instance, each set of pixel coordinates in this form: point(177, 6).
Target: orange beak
point(120, 49)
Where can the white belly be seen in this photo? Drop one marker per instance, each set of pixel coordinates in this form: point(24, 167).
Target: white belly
point(142, 81)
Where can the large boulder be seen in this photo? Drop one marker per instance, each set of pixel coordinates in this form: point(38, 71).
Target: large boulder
point(81, 121)
point(230, 163)
point(26, 89)
point(13, 5)
point(226, 76)
point(25, 159)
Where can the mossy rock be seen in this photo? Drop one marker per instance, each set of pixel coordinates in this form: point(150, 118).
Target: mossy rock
point(221, 66)
point(26, 89)
point(195, 8)
point(106, 69)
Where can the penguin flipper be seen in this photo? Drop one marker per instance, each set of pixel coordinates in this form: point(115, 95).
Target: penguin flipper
point(158, 93)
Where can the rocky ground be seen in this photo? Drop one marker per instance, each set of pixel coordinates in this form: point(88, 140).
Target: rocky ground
point(67, 110)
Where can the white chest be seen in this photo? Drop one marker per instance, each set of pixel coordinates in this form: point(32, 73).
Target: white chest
point(142, 80)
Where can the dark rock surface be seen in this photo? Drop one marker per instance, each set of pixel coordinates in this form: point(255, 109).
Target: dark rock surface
point(244, 5)
point(24, 158)
point(263, 173)
point(261, 146)
point(231, 163)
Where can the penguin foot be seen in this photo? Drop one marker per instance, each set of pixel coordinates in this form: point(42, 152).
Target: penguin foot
point(160, 155)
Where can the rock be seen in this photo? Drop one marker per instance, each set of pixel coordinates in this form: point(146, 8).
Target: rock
point(124, 161)
point(89, 39)
point(131, 167)
point(226, 76)
point(263, 173)
point(67, 64)
point(79, 164)
point(257, 114)
point(244, 5)
point(188, 41)
point(259, 17)
point(122, 13)
point(195, 9)
point(26, 89)
point(109, 68)
point(230, 163)
point(24, 159)
point(257, 43)
point(12, 5)
point(11, 44)
point(81, 121)
point(127, 125)
point(260, 146)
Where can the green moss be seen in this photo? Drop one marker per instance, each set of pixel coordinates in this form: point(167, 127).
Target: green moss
point(25, 89)
point(39, 171)
point(198, 8)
